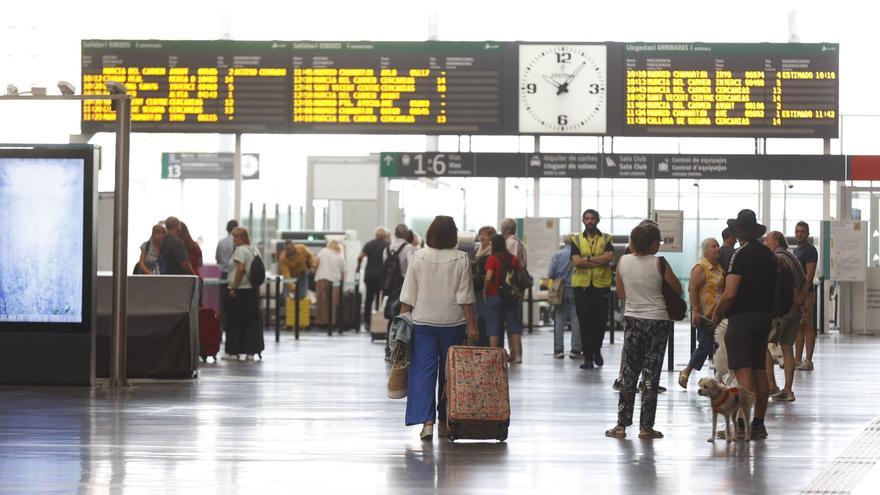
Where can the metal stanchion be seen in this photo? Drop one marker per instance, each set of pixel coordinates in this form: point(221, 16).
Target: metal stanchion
point(531, 311)
point(820, 301)
point(296, 310)
point(329, 299)
point(278, 301)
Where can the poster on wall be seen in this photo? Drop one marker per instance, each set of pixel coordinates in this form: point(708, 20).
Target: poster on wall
point(671, 223)
point(541, 237)
point(849, 251)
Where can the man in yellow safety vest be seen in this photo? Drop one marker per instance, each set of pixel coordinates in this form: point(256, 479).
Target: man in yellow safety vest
point(591, 256)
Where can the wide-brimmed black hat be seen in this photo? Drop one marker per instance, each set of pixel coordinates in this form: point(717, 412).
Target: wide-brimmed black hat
point(746, 220)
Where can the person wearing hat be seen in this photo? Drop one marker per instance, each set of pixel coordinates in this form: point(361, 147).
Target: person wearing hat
point(747, 303)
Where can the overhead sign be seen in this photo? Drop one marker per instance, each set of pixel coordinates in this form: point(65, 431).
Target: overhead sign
point(451, 87)
point(209, 166)
point(614, 166)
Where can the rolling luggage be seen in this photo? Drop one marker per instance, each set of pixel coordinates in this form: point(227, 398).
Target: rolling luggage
point(477, 394)
point(304, 313)
point(378, 326)
point(351, 310)
point(209, 333)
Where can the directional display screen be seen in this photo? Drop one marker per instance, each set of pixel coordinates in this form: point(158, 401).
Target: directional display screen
point(694, 89)
point(456, 88)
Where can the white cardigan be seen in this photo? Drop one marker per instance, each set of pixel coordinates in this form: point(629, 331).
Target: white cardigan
point(437, 283)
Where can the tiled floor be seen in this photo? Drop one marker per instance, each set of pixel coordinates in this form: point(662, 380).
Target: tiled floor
point(313, 418)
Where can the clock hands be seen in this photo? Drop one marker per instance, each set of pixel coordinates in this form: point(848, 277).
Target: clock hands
point(563, 88)
point(551, 81)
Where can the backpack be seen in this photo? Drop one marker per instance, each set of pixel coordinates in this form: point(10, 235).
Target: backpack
point(785, 284)
point(390, 276)
point(783, 289)
point(514, 283)
point(478, 272)
point(257, 272)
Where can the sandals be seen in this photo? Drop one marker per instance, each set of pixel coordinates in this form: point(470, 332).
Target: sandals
point(649, 433)
point(616, 432)
point(683, 379)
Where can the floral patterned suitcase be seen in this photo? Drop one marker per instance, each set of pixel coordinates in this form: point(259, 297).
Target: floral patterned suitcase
point(477, 394)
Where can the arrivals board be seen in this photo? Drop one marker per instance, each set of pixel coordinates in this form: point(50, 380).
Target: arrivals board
point(432, 87)
point(186, 86)
point(761, 89)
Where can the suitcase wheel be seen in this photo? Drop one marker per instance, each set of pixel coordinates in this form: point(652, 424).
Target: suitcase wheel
point(503, 435)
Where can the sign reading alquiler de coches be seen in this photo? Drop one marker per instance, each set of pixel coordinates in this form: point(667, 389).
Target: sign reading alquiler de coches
point(613, 165)
point(467, 87)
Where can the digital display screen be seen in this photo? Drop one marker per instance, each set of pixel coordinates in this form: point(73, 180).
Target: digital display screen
point(399, 87)
point(184, 86)
point(761, 89)
point(41, 269)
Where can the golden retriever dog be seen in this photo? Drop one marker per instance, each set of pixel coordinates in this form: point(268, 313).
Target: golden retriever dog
point(733, 402)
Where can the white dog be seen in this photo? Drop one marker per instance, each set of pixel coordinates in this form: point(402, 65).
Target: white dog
point(722, 372)
point(733, 402)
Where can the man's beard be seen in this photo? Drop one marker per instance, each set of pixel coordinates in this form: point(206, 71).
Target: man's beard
point(591, 229)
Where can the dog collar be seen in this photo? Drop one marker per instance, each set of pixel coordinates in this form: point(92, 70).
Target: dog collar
point(716, 405)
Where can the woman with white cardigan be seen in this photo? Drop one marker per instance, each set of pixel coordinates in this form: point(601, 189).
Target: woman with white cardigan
point(438, 289)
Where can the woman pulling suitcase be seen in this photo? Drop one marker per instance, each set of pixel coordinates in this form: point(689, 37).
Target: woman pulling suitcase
point(438, 289)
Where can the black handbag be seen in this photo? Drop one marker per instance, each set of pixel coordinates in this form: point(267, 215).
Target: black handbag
point(675, 305)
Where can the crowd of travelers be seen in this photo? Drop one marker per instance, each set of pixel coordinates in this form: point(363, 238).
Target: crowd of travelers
point(453, 297)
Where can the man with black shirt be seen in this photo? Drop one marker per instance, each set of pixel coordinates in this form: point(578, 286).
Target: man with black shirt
point(807, 254)
point(172, 253)
point(591, 256)
point(373, 251)
point(747, 302)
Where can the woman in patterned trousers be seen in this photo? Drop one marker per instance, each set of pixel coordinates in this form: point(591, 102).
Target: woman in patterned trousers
point(648, 326)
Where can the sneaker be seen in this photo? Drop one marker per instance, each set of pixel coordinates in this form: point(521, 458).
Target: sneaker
point(588, 365)
point(783, 397)
point(576, 354)
point(773, 391)
point(806, 366)
point(641, 388)
point(558, 355)
point(517, 360)
point(616, 386)
point(427, 432)
point(598, 359)
point(759, 431)
point(661, 389)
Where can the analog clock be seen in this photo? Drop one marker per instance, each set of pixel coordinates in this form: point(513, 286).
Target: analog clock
point(562, 89)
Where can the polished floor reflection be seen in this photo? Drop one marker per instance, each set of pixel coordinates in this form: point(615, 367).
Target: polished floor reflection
point(313, 418)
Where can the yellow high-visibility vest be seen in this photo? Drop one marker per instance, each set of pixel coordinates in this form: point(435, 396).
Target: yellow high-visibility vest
point(600, 276)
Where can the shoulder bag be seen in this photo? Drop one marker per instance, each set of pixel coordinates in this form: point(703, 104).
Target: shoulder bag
point(675, 305)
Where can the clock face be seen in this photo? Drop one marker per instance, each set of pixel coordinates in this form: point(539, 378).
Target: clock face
point(562, 89)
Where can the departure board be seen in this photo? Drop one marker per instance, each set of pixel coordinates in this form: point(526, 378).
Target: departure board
point(755, 90)
point(429, 87)
point(186, 86)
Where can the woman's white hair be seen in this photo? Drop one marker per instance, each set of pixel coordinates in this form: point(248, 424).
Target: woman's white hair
point(704, 246)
